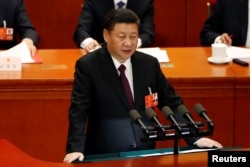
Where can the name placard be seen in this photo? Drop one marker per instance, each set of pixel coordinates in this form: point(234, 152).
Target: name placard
point(10, 63)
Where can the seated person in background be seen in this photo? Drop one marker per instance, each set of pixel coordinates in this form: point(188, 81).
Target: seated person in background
point(88, 33)
point(228, 23)
point(99, 120)
point(14, 19)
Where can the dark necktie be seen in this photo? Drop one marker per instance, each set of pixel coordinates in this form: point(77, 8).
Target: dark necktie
point(127, 89)
point(120, 4)
point(126, 86)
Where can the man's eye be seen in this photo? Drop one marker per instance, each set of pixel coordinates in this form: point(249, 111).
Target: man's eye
point(122, 37)
point(132, 37)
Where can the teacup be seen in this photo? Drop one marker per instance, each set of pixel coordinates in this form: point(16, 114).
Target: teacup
point(219, 51)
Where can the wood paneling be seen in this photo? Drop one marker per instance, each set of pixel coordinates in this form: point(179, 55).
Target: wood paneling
point(242, 99)
point(242, 112)
point(170, 23)
point(55, 21)
point(195, 18)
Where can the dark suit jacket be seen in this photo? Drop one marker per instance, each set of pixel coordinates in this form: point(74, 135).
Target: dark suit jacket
point(90, 23)
point(99, 99)
point(14, 13)
point(230, 16)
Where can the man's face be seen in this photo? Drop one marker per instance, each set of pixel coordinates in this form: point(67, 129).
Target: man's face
point(122, 40)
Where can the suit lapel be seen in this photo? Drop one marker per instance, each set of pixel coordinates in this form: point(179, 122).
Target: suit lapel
point(109, 5)
point(138, 80)
point(132, 5)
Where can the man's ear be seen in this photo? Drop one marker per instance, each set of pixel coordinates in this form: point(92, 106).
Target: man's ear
point(105, 35)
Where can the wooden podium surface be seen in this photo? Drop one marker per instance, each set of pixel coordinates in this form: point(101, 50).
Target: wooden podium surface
point(13, 156)
point(34, 103)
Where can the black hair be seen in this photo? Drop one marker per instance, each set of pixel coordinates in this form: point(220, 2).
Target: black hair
point(120, 16)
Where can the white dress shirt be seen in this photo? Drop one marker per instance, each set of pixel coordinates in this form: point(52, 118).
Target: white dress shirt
point(128, 72)
point(124, 1)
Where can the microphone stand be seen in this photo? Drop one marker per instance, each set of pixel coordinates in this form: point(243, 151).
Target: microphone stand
point(176, 142)
point(155, 134)
point(190, 129)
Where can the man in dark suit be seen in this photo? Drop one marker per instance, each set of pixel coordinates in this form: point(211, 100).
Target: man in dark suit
point(228, 23)
point(99, 120)
point(88, 33)
point(14, 18)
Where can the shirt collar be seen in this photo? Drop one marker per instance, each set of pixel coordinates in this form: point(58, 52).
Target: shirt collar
point(117, 64)
point(116, 1)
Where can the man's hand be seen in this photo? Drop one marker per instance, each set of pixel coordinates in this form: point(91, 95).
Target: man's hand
point(92, 46)
point(72, 157)
point(207, 143)
point(226, 39)
point(30, 45)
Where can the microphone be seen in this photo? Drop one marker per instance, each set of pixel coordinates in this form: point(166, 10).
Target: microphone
point(186, 114)
point(201, 111)
point(170, 116)
point(152, 115)
point(136, 117)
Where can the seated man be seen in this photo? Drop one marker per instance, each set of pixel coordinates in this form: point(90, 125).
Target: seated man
point(88, 33)
point(99, 120)
point(15, 26)
point(228, 23)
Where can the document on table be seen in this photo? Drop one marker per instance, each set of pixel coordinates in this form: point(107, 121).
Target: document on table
point(21, 50)
point(156, 52)
point(238, 52)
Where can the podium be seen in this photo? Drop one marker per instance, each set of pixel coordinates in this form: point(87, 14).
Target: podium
point(142, 154)
point(10, 156)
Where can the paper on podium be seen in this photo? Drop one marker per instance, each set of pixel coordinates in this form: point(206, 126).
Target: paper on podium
point(21, 50)
point(238, 52)
point(156, 52)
